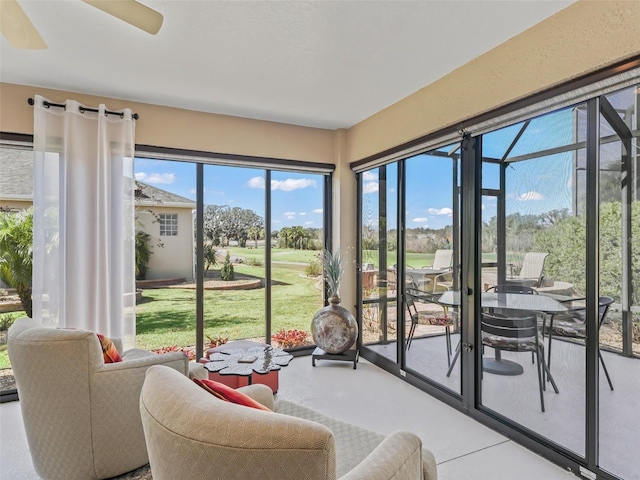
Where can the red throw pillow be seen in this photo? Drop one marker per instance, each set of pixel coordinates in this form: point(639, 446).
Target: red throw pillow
point(109, 350)
point(228, 394)
point(211, 391)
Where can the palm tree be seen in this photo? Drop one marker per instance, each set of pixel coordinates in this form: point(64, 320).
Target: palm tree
point(16, 253)
point(256, 233)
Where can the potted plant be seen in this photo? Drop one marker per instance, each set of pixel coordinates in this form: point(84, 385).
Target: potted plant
point(334, 328)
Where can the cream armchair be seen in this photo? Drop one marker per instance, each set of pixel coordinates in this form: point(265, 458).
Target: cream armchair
point(192, 434)
point(81, 415)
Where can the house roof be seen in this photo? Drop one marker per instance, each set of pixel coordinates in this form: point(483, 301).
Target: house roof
point(16, 173)
point(16, 182)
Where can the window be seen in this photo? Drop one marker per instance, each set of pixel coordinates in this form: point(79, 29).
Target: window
point(168, 224)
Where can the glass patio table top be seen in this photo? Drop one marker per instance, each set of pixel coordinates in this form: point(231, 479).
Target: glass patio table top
point(513, 301)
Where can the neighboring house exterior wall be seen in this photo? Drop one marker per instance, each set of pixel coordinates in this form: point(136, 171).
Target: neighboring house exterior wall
point(15, 204)
point(175, 258)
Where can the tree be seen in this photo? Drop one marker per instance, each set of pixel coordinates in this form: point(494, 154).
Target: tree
point(285, 233)
point(255, 234)
point(143, 254)
point(16, 253)
point(212, 226)
point(222, 223)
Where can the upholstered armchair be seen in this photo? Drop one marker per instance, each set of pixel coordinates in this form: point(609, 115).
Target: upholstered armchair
point(193, 434)
point(81, 415)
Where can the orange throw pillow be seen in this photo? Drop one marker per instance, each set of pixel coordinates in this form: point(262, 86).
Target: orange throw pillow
point(109, 350)
point(228, 394)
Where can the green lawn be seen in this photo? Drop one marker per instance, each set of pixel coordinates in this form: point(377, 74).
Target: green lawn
point(4, 357)
point(167, 316)
point(277, 254)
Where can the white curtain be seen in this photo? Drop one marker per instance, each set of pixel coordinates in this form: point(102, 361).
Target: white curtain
point(83, 227)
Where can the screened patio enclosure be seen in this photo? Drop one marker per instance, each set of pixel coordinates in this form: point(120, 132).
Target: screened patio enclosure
point(541, 220)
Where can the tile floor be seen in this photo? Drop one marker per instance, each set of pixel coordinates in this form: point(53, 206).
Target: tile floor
point(371, 398)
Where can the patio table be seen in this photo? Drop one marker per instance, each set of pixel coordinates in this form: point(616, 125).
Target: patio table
point(513, 301)
point(247, 362)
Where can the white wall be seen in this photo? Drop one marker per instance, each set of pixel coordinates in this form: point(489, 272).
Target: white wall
point(175, 258)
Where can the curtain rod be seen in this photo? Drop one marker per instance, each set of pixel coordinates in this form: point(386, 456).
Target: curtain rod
point(31, 101)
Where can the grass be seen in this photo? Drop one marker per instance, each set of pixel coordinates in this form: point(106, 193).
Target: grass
point(277, 254)
point(167, 316)
point(4, 357)
point(416, 260)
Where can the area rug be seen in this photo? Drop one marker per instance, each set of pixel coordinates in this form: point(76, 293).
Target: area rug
point(142, 473)
point(7, 382)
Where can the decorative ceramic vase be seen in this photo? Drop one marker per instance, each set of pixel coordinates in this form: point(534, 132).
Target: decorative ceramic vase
point(333, 327)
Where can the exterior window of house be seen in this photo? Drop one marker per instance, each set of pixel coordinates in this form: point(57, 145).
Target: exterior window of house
point(168, 224)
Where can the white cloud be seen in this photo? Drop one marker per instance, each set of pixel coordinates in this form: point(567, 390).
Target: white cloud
point(441, 211)
point(291, 184)
point(302, 213)
point(420, 220)
point(289, 215)
point(370, 187)
point(530, 196)
point(157, 178)
point(277, 221)
point(309, 223)
point(256, 182)
point(369, 176)
point(483, 206)
point(318, 210)
point(391, 190)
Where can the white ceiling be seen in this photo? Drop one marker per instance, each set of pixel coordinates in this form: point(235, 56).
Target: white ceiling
point(326, 64)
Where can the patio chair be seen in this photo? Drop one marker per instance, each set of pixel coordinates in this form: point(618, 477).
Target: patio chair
point(442, 260)
point(509, 288)
point(531, 272)
point(519, 289)
point(573, 325)
point(409, 301)
point(517, 334)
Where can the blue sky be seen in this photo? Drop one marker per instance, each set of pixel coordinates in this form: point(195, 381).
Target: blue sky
point(532, 187)
point(296, 198)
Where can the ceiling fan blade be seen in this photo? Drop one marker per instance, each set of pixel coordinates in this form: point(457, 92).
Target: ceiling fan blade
point(132, 12)
point(17, 28)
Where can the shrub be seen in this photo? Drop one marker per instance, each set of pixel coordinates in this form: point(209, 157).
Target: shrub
point(209, 254)
point(16, 253)
point(7, 320)
point(290, 338)
point(190, 352)
point(566, 243)
point(313, 269)
point(255, 262)
point(226, 273)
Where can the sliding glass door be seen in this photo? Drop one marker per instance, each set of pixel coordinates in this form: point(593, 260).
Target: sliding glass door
point(544, 285)
point(432, 340)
